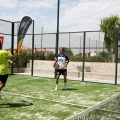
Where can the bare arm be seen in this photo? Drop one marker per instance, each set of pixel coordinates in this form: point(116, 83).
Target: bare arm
point(54, 63)
point(13, 59)
point(64, 66)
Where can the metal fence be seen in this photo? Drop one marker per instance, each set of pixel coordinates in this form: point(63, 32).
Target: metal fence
point(83, 44)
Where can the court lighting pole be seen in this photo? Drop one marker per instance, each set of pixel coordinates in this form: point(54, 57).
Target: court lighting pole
point(57, 34)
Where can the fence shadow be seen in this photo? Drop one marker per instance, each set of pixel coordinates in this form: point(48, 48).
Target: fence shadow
point(11, 105)
point(69, 89)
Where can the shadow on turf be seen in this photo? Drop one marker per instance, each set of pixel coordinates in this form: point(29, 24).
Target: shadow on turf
point(9, 105)
point(69, 89)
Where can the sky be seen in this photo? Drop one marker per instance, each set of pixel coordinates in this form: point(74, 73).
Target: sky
point(74, 15)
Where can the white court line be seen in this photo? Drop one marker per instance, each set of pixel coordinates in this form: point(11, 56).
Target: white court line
point(83, 113)
point(28, 96)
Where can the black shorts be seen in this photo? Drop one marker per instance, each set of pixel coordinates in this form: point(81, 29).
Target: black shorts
point(3, 78)
point(61, 71)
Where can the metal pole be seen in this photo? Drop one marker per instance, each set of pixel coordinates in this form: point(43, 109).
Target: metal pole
point(89, 45)
point(32, 50)
point(116, 58)
point(99, 42)
point(69, 43)
point(12, 45)
point(57, 34)
point(83, 56)
point(80, 44)
point(41, 38)
point(96, 46)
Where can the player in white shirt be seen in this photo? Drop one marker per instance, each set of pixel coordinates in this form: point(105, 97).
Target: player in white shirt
point(60, 64)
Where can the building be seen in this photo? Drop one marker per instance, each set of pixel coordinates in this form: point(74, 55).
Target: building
point(28, 50)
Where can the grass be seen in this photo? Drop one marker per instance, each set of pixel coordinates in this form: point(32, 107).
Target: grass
point(34, 98)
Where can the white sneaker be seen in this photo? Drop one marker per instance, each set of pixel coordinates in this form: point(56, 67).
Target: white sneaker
point(65, 87)
point(56, 88)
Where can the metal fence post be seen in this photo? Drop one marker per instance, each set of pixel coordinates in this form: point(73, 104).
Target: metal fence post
point(12, 44)
point(57, 34)
point(32, 50)
point(84, 39)
point(116, 58)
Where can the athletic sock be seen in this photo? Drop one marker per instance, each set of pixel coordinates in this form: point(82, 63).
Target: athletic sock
point(65, 86)
point(56, 88)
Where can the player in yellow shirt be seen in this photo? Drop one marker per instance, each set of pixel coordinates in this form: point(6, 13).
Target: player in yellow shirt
point(4, 68)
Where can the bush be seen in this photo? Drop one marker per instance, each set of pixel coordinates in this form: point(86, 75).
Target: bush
point(75, 58)
point(50, 56)
point(87, 59)
point(95, 59)
point(22, 60)
point(39, 56)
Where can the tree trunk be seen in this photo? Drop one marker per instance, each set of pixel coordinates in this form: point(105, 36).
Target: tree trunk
point(113, 58)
